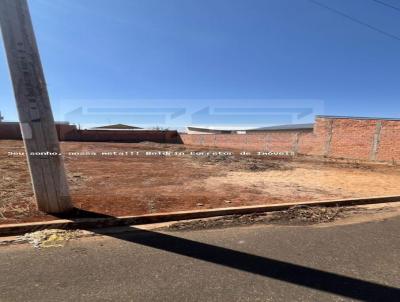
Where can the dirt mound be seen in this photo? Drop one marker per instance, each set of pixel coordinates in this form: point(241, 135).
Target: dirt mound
point(302, 214)
point(297, 215)
point(150, 144)
point(256, 165)
point(245, 163)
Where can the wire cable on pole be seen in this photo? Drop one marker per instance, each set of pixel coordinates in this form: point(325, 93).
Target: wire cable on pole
point(387, 5)
point(371, 27)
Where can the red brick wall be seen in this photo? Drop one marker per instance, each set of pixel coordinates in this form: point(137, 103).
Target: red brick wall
point(276, 141)
point(352, 138)
point(360, 139)
point(71, 133)
point(389, 145)
point(308, 143)
point(230, 141)
point(11, 130)
point(319, 141)
point(255, 142)
point(128, 136)
point(281, 141)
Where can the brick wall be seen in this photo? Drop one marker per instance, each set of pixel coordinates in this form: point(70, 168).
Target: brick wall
point(12, 130)
point(127, 136)
point(352, 138)
point(334, 137)
point(276, 141)
point(361, 139)
point(389, 141)
point(68, 132)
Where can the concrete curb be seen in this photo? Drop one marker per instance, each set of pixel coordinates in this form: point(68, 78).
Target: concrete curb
point(92, 223)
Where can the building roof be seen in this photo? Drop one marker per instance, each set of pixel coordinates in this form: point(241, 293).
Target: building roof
point(309, 126)
point(209, 130)
point(117, 127)
point(270, 128)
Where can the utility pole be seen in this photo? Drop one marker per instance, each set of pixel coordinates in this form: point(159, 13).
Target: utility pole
point(42, 148)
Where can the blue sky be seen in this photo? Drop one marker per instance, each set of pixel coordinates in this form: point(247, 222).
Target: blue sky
point(208, 56)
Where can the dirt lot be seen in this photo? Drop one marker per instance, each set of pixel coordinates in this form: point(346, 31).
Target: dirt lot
point(136, 183)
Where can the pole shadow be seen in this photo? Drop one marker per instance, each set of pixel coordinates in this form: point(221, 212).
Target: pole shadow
point(263, 266)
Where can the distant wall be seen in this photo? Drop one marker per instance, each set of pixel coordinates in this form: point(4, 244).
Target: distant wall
point(68, 132)
point(334, 137)
point(267, 141)
point(128, 136)
point(271, 141)
point(12, 130)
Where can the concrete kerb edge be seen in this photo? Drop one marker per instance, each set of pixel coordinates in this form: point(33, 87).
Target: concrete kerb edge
point(92, 223)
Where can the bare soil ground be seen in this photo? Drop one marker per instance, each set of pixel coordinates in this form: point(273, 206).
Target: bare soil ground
point(121, 184)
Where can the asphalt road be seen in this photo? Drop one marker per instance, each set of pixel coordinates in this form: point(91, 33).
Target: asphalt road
point(253, 263)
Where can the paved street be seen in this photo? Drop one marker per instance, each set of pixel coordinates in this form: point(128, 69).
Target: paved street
point(253, 263)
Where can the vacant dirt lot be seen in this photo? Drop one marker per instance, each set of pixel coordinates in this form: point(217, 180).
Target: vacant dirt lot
point(132, 182)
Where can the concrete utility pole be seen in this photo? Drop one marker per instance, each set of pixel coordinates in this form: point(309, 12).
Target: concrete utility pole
point(35, 115)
